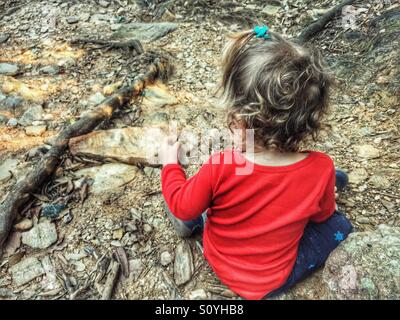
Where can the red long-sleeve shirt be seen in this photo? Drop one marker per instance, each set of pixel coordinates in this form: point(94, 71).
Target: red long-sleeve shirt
point(255, 221)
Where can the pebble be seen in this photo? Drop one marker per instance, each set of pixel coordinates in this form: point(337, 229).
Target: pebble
point(198, 294)
point(12, 102)
point(8, 69)
point(7, 168)
point(35, 131)
point(24, 225)
point(380, 182)
point(270, 10)
point(118, 234)
point(50, 70)
point(73, 19)
point(96, 98)
point(358, 176)
point(33, 113)
point(367, 151)
point(12, 122)
point(165, 258)
point(104, 4)
point(183, 265)
point(135, 268)
point(4, 37)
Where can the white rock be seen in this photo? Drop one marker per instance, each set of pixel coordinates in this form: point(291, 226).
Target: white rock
point(35, 131)
point(270, 10)
point(380, 182)
point(183, 265)
point(7, 169)
point(41, 236)
point(358, 175)
point(367, 151)
point(165, 258)
point(198, 294)
point(96, 98)
point(108, 176)
point(8, 69)
point(135, 268)
point(26, 270)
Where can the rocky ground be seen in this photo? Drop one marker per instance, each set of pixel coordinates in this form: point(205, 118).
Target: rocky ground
point(95, 210)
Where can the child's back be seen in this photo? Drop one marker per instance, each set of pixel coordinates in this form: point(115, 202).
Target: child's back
point(255, 222)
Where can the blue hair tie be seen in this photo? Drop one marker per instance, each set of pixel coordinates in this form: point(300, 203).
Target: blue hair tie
point(262, 32)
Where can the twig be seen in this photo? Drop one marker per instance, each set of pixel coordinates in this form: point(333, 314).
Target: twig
point(312, 29)
point(111, 281)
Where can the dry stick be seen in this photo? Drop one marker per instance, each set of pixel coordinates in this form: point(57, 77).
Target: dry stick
point(21, 192)
point(317, 26)
point(111, 281)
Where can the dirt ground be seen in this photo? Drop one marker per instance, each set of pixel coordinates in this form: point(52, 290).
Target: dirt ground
point(62, 77)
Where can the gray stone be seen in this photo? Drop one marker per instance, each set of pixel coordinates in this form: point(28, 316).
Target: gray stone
point(73, 19)
point(7, 169)
point(108, 176)
point(270, 10)
point(4, 37)
point(6, 294)
point(380, 182)
point(135, 268)
point(12, 122)
point(104, 4)
point(358, 176)
point(4, 119)
point(367, 151)
point(198, 294)
point(165, 258)
point(96, 98)
point(41, 236)
point(50, 70)
point(183, 265)
point(11, 102)
point(100, 18)
point(32, 114)
point(8, 69)
point(26, 270)
point(146, 32)
point(35, 131)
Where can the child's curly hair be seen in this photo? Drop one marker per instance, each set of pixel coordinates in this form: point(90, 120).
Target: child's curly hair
point(276, 87)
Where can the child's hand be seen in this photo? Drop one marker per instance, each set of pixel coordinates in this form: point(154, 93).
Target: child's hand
point(336, 194)
point(169, 151)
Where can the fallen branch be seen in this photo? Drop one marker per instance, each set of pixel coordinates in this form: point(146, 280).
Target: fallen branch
point(111, 281)
point(21, 192)
point(312, 29)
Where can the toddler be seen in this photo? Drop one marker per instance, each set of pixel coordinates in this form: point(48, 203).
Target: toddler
point(269, 229)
